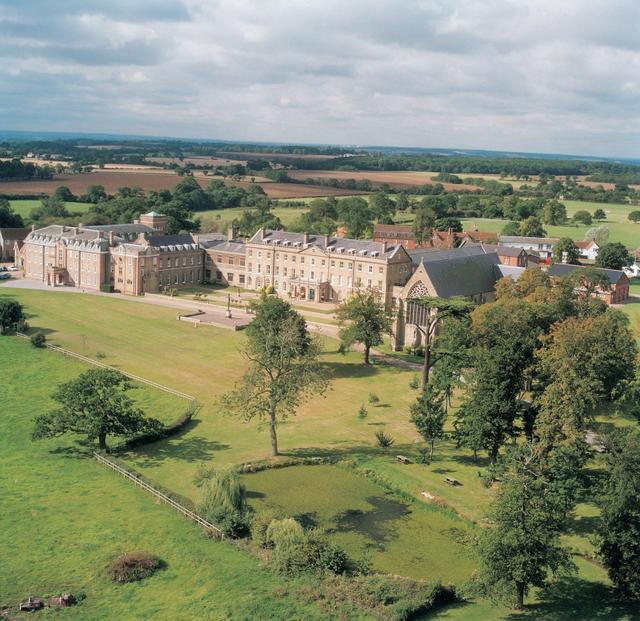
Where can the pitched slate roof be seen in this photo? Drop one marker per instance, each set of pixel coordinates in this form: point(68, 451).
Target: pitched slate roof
point(158, 241)
point(564, 269)
point(464, 274)
point(235, 247)
point(431, 254)
point(340, 245)
point(17, 234)
point(121, 229)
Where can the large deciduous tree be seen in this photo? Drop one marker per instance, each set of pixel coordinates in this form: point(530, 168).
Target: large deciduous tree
point(434, 311)
point(566, 251)
point(428, 414)
point(95, 404)
point(284, 366)
point(10, 315)
point(522, 546)
point(613, 256)
point(619, 527)
point(364, 319)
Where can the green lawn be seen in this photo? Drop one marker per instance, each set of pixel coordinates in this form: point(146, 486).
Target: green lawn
point(421, 542)
point(64, 517)
point(223, 217)
point(147, 340)
point(24, 207)
point(620, 228)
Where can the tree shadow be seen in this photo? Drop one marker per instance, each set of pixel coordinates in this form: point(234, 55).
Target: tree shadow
point(376, 524)
point(194, 448)
point(254, 494)
point(349, 451)
point(307, 520)
point(575, 598)
point(585, 525)
point(351, 370)
point(442, 470)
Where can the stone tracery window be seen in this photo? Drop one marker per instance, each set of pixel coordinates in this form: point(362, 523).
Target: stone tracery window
point(418, 290)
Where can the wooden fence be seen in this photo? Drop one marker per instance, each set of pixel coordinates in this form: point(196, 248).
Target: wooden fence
point(158, 494)
point(102, 365)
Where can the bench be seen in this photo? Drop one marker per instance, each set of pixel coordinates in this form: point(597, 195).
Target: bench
point(452, 481)
point(402, 459)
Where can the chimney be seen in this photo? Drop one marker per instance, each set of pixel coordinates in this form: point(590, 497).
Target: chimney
point(111, 242)
point(230, 234)
point(306, 238)
point(101, 234)
point(80, 225)
point(384, 246)
point(33, 228)
point(326, 241)
point(76, 230)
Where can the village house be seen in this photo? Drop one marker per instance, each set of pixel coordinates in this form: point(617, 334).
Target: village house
point(542, 245)
point(404, 235)
point(618, 291)
point(517, 257)
point(588, 249)
point(321, 268)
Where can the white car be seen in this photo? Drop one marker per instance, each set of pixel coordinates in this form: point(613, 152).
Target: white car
point(12, 268)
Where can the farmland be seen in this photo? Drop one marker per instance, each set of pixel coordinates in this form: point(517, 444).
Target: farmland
point(326, 426)
point(154, 179)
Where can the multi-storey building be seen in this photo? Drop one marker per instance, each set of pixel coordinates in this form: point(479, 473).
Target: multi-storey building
point(322, 268)
point(128, 258)
point(225, 260)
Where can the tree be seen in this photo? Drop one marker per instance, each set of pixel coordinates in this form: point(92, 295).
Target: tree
point(428, 415)
point(599, 214)
point(423, 224)
point(598, 234)
point(64, 194)
point(613, 256)
point(430, 312)
point(364, 319)
point(356, 216)
point(634, 216)
point(554, 212)
point(11, 314)
point(528, 516)
point(444, 224)
point(382, 207)
point(9, 219)
point(532, 227)
point(566, 251)
point(582, 217)
point(283, 370)
point(511, 228)
point(402, 202)
point(619, 526)
point(95, 404)
point(96, 193)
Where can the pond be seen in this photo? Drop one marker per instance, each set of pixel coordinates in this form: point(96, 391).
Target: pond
point(399, 537)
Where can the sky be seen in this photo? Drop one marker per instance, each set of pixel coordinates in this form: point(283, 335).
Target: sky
point(551, 76)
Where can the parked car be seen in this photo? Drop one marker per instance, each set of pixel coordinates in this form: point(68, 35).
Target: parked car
point(3, 268)
point(5, 276)
point(12, 268)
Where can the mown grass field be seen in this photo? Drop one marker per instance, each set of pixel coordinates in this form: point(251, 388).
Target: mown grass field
point(148, 340)
point(24, 207)
point(620, 228)
point(64, 517)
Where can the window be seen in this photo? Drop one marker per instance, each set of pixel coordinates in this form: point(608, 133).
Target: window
point(268, 269)
point(301, 259)
point(229, 277)
point(380, 270)
point(313, 261)
point(313, 275)
point(380, 284)
point(323, 262)
point(371, 269)
point(284, 271)
point(230, 260)
point(250, 252)
point(241, 262)
point(341, 264)
point(359, 267)
point(241, 279)
point(259, 254)
point(250, 267)
point(293, 258)
point(259, 268)
point(369, 283)
point(218, 275)
point(333, 263)
point(350, 265)
point(301, 273)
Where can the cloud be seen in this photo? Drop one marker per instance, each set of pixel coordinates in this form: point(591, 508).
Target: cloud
point(504, 74)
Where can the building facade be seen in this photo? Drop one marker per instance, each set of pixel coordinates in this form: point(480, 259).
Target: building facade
point(542, 245)
point(618, 291)
point(9, 239)
point(320, 268)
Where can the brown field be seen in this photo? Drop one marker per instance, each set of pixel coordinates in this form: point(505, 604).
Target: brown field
point(150, 179)
point(196, 160)
point(401, 180)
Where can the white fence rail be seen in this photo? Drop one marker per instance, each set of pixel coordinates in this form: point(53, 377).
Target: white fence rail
point(152, 490)
point(137, 378)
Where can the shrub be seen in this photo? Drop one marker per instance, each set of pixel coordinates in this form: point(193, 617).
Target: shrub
point(38, 339)
point(423, 456)
point(283, 533)
point(259, 527)
point(134, 566)
point(384, 440)
point(373, 398)
point(414, 384)
point(100, 355)
point(399, 599)
point(362, 412)
point(297, 552)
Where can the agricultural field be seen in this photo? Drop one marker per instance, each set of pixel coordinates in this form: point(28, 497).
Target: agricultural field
point(24, 207)
point(155, 179)
point(401, 180)
point(148, 340)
